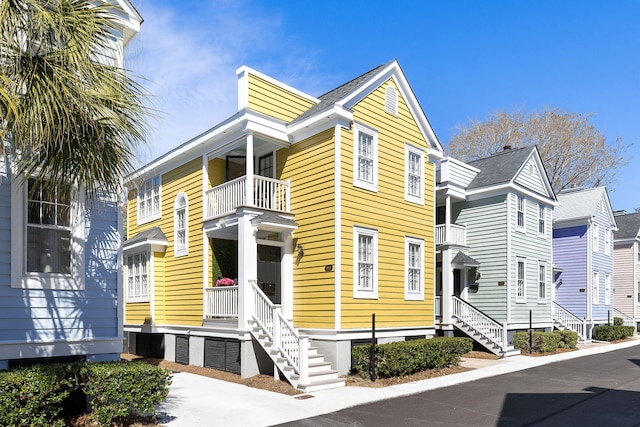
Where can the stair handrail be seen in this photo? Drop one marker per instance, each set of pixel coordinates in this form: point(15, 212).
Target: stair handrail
point(626, 319)
point(283, 334)
point(569, 320)
point(482, 323)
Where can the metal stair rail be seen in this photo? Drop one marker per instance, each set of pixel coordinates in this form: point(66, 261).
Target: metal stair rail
point(285, 338)
point(568, 320)
point(626, 320)
point(490, 329)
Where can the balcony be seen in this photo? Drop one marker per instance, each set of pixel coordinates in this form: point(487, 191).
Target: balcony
point(458, 235)
point(268, 193)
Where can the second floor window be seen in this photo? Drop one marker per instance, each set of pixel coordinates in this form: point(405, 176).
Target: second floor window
point(596, 238)
point(365, 158)
point(541, 220)
point(607, 242)
point(520, 212)
point(180, 225)
point(149, 200)
point(413, 174)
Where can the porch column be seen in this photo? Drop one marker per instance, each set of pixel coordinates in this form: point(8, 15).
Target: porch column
point(447, 219)
point(247, 268)
point(447, 288)
point(286, 276)
point(249, 200)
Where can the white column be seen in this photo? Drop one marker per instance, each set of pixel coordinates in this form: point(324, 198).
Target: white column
point(286, 276)
point(247, 268)
point(447, 219)
point(249, 201)
point(447, 287)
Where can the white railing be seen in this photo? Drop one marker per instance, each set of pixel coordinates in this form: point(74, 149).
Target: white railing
point(569, 320)
point(221, 301)
point(626, 320)
point(458, 234)
point(268, 193)
point(293, 346)
point(438, 305)
point(490, 329)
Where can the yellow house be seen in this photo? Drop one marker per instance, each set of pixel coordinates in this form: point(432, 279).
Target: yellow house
point(271, 239)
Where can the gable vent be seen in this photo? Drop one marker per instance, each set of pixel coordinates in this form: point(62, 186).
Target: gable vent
point(391, 101)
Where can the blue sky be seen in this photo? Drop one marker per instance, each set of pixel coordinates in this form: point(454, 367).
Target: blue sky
point(463, 59)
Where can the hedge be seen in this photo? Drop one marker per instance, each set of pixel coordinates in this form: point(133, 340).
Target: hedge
point(612, 332)
point(39, 395)
point(408, 357)
point(568, 339)
point(543, 342)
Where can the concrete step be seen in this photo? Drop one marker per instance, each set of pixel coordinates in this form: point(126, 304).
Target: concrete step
point(319, 366)
point(321, 385)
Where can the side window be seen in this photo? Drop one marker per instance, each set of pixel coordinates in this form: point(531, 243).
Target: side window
point(520, 212)
point(521, 280)
point(414, 174)
point(596, 238)
point(542, 221)
point(137, 277)
point(180, 225)
point(365, 248)
point(149, 200)
point(414, 269)
point(365, 157)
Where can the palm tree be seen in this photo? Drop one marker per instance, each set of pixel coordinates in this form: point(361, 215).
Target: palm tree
point(73, 115)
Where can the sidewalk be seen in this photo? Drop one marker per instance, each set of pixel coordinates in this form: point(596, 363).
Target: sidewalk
point(200, 401)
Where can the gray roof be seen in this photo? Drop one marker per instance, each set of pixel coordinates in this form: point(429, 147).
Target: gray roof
point(330, 98)
point(628, 226)
point(464, 259)
point(499, 168)
point(154, 234)
point(577, 203)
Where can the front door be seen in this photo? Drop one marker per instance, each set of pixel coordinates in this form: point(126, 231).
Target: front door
point(269, 258)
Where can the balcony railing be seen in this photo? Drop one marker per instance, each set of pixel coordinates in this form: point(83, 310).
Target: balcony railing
point(458, 234)
point(268, 193)
point(221, 301)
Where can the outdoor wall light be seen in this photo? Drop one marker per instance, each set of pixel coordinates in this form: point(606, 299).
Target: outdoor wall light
point(300, 250)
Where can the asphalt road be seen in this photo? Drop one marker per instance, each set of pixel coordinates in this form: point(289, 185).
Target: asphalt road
point(599, 390)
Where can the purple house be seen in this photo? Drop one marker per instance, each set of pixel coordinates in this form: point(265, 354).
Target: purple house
point(583, 226)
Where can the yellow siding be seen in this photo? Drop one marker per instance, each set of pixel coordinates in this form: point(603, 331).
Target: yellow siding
point(217, 169)
point(275, 101)
point(138, 313)
point(159, 291)
point(392, 216)
point(309, 166)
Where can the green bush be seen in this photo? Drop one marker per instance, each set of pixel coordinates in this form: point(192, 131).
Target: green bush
point(568, 339)
point(37, 395)
point(408, 357)
point(543, 342)
point(34, 396)
point(612, 332)
point(618, 321)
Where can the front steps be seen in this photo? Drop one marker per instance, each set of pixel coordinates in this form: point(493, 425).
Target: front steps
point(485, 341)
point(320, 375)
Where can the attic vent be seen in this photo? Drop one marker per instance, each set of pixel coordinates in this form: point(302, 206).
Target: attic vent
point(391, 101)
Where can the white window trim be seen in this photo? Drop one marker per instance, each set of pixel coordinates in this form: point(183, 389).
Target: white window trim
point(595, 287)
point(607, 289)
point(607, 241)
point(595, 237)
point(362, 293)
point(523, 298)
point(20, 278)
point(542, 209)
point(419, 199)
point(521, 228)
point(143, 220)
point(408, 294)
point(371, 186)
point(546, 281)
point(142, 298)
point(178, 252)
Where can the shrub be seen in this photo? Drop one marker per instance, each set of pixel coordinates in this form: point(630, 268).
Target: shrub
point(618, 321)
point(612, 332)
point(34, 396)
point(37, 395)
point(568, 339)
point(543, 342)
point(408, 357)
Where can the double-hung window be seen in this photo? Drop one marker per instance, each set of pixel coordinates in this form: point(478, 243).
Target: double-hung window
point(607, 242)
point(520, 213)
point(607, 289)
point(365, 159)
point(542, 282)
point(596, 238)
point(542, 222)
point(414, 175)
point(47, 237)
point(365, 263)
point(149, 200)
point(520, 280)
point(137, 277)
point(414, 269)
point(595, 286)
point(180, 225)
